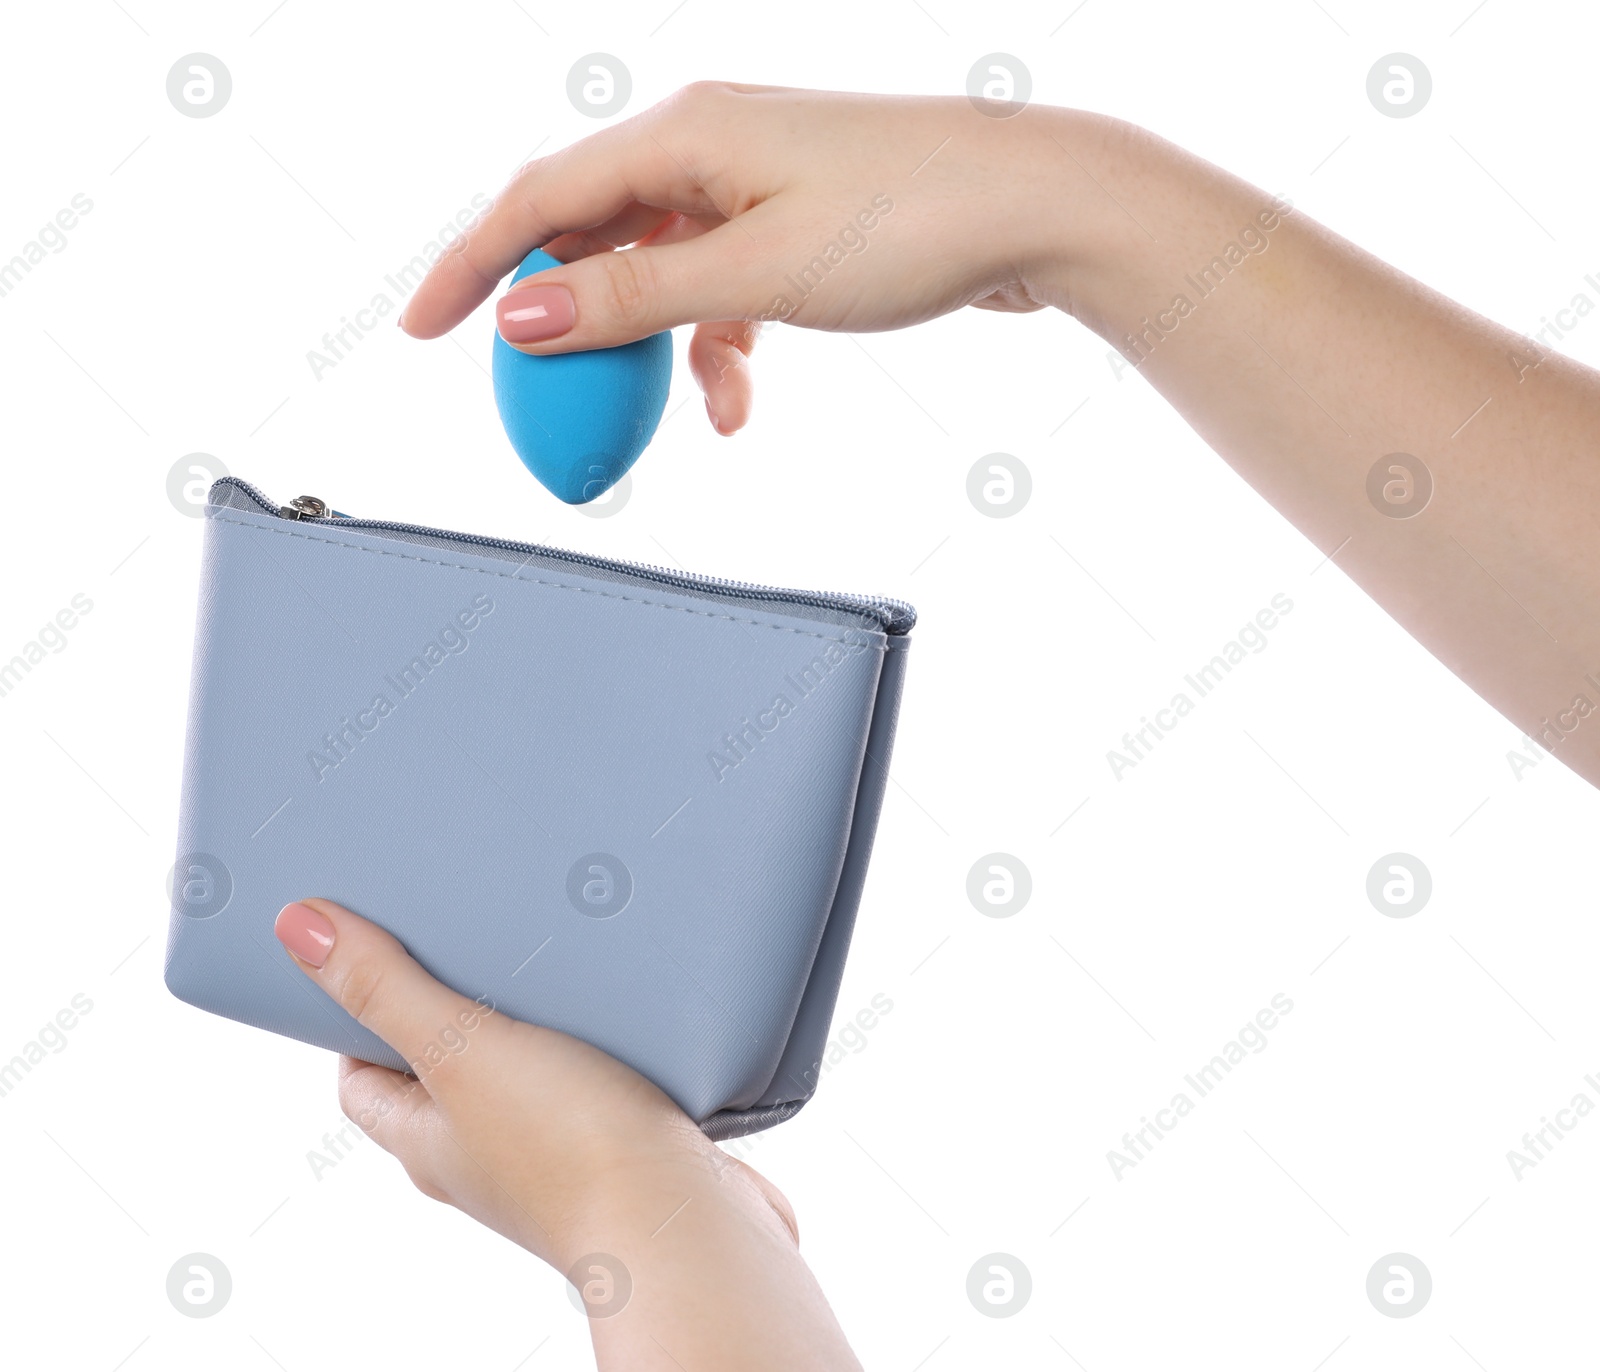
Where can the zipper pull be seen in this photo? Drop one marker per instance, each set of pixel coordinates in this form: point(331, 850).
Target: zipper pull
point(304, 507)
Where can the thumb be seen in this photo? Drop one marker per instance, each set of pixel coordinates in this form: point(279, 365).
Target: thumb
point(610, 298)
point(368, 973)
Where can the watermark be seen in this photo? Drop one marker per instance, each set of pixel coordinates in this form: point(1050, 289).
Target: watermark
point(1399, 85)
point(999, 85)
point(1553, 730)
point(339, 343)
point(999, 1285)
point(1251, 640)
point(609, 502)
point(198, 1285)
point(1529, 755)
point(599, 85)
point(51, 1039)
point(50, 640)
point(1251, 1039)
point(199, 885)
point(1537, 1143)
point(450, 1042)
point(1398, 885)
point(189, 481)
point(999, 485)
point(1522, 365)
point(998, 885)
point(850, 241)
point(199, 85)
point(1399, 486)
point(1566, 321)
point(599, 885)
point(1251, 241)
point(1535, 348)
point(337, 1145)
point(1399, 1285)
point(51, 239)
point(850, 1041)
point(599, 1285)
point(739, 745)
point(338, 745)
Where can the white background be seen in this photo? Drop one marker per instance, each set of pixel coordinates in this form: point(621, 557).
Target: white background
point(1174, 903)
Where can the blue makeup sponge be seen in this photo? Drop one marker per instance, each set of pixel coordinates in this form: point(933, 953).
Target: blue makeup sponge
point(578, 421)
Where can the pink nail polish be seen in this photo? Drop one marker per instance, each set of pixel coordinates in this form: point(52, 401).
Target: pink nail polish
point(305, 933)
point(532, 314)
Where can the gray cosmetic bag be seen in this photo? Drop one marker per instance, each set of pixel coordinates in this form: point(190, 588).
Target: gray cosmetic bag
point(630, 804)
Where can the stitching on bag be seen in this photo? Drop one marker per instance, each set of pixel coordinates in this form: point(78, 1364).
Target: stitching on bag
point(537, 581)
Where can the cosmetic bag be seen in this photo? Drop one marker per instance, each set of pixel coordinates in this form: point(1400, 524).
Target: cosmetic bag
point(631, 804)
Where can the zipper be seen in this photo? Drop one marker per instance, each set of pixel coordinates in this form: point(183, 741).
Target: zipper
point(894, 617)
point(304, 507)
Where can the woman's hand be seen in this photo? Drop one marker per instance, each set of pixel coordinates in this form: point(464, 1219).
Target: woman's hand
point(1444, 462)
point(575, 1157)
point(753, 203)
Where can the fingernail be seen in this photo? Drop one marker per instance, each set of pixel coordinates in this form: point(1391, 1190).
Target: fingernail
point(305, 933)
point(712, 416)
point(535, 313)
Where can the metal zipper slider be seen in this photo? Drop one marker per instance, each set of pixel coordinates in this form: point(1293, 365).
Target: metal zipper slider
point(304, 507)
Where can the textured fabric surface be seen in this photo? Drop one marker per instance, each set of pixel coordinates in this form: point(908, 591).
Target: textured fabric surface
point(628, 812)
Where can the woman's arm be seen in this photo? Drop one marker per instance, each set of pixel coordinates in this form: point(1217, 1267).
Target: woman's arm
point(1308, 364)
point(1305, 362)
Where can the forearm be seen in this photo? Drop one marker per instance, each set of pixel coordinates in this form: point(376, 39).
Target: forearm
point(1305, 361)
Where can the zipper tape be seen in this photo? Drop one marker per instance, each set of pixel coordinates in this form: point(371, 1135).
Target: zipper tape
point(891, 616)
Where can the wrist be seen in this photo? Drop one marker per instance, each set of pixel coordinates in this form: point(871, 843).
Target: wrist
point(1091, 227)
point(661, 1216)
point(1147, 230)
point(626, 1190)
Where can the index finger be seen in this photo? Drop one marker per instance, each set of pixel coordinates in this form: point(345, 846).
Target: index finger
point(645, 160)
